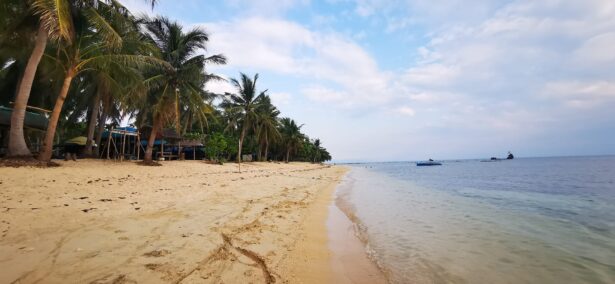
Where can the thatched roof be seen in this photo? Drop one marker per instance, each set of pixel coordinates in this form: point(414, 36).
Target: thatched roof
point(191, 143)
point(171, 134)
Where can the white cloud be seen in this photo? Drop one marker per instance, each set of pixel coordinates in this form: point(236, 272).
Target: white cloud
point(260, 43)
point(431, 75)
point(138, 6)
point(266, 7)
point(581, 94)
point(325, 95)
point(220, 87)
point(517, 49)
point(288, 48)
point(280, 98)
point(405, 110)
point(599, 49)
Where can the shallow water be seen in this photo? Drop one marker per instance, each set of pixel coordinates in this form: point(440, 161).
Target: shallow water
point(542, 220)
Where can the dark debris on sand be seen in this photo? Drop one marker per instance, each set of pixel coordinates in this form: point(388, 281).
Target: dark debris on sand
point(18, 162)
point(150, 164)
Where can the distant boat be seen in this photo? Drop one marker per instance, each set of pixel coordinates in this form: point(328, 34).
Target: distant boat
point(428, 163)
point(494, 159)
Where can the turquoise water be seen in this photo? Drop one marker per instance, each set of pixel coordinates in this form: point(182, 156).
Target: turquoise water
point(540, 220)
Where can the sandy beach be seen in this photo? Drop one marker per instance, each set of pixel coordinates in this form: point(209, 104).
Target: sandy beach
point(186, 222)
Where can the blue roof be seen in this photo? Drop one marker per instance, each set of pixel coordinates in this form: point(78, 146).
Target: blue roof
point(156, 142)
point(105, 134)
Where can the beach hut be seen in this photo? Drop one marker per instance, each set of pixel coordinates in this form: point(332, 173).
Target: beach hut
point(167, 145)
point(190, 147)
point(35, 125)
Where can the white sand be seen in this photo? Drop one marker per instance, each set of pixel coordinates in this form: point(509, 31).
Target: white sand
point(185, 222)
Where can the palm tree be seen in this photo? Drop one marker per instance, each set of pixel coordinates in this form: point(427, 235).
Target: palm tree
point(291, 135)
point(55, 22)
point(92, 50)
point(180, 86)
point(267, 128)
point(109, 88)
point(244, 104)
point(317, 150)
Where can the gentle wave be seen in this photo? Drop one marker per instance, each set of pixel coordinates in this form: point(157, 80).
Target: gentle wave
point(466, 232)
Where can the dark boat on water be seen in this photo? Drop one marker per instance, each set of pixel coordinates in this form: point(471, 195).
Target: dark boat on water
point(428, 163)
point(494, 159)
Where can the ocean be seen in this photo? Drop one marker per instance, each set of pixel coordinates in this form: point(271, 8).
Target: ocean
point(528, 220)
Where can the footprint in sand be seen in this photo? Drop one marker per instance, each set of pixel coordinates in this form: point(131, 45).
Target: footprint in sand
point(157, 253)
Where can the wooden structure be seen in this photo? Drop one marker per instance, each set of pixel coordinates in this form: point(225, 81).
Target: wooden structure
point(118, 139)
point(169, 138)
point(191, 144)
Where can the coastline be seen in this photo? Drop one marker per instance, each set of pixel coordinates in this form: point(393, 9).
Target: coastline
point(329, 250)
point(104, 222)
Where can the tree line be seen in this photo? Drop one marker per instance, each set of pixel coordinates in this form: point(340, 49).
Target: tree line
point(94, 64)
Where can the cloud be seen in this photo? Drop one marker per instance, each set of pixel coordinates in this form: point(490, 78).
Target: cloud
point(431, 75)
point(137, 7)
point(278, 98)
point(290, 49)
point(598, 49)
point(266, 7)
point(581, 94)
point(325, 95)
point(405, 110)
point(517, 50)
point(220, 87)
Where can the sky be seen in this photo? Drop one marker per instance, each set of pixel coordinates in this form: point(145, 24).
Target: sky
point(402, 80)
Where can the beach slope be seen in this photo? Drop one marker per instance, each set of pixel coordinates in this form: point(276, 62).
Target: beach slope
point(185, 222)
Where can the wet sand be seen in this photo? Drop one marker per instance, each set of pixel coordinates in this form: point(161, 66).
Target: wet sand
point(186, 222)
point(349, 260)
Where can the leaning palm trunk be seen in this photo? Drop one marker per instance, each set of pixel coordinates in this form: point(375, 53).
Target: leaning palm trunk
point(266, 149)
point(261, 156)
point(148, 159)
point(243, 134)
point(101, 128)
point(45, 154)
point(17, 141)
point(92, 125)
point(287, 154)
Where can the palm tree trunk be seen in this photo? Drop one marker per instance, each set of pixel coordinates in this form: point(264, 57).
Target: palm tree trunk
point(260, 152)
point(101, 127)
point(287, 154)
point(17, 142)
point(243, 134)
point(266, 149)
point(92, 125)
point(45, 154)
point(148, 159)
point(188, 122)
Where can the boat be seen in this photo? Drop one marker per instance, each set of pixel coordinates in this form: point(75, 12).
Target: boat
point(495, 159)
point(428, 163)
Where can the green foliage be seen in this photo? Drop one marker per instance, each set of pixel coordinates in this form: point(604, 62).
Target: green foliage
point(194, 136)
point(142, 69)
point(215, 146)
